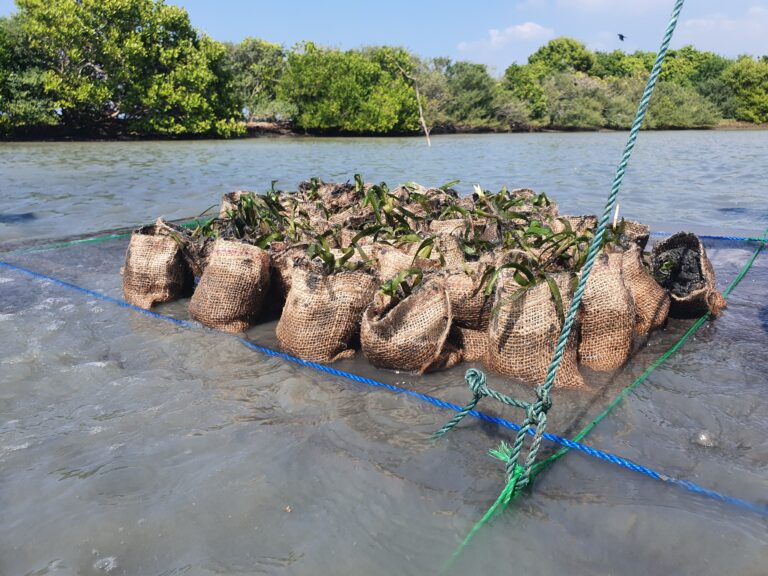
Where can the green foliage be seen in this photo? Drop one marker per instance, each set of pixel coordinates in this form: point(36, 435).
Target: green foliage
point(471, 92)
point(748, 79)
point(575, 100)
point(256, 67)
point(564, 55)
point(676, 106)
point(135, 65)
point(618, 64)
point(23, 102)
point(349, 91)
point(513, 112)
point(138, 67)
point(524, 83)
point(433, 86)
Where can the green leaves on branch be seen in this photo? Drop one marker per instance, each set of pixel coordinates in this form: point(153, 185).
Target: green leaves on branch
point(128, 66)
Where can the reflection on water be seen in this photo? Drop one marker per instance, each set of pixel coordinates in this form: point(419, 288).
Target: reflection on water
point(693, 179)
point(133, 446)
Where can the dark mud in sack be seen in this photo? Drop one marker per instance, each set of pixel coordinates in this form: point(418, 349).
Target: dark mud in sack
point(524, 329)
point(607, 316)
point(155, 268)
point(681, 265)
point(322, 313)
point(470, 306)
point(282, 261)
point(472, 343)
point(411, 334)
point(232, 289)
point(651, 300)
point(634, 233)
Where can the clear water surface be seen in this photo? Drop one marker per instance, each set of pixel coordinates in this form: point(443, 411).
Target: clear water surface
point(131, 446)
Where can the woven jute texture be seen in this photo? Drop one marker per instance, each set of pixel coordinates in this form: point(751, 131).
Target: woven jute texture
point(409, 335)
point(470, 306)
point(651, 300)
point(446, 246)
point(607, 316)
point(635, 233)
point(155, 269)
point(322, 312)
point(472, 343)
point(578, 224)
point(282, 262)
point(523, 333)
point(455, 226)
point(231, 291)
point(390, 261)
point(702, 297)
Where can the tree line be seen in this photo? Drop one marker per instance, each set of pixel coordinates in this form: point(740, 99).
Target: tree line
point(111, 68)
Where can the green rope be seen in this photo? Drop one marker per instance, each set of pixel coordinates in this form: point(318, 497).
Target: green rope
point(89, 240)
point(476, 382)
point(536, 412)
point(519, 476)
point(503, 453)
point(540, 466)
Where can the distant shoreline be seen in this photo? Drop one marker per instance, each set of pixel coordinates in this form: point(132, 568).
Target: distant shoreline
point(271, 129)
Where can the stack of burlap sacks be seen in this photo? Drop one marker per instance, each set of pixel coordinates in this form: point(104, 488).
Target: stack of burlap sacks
point(451, 315)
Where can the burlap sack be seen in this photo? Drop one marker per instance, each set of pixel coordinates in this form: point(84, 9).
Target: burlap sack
point(581, 225)
point(411, 334)
point(607, 316)
point(470, 306)
point(335, 196)
point(635, 233)
point(322, 312)
point(651, 300)
point(486, 229)
point(282, 262)
point(231, 291)
point(389, 260)
point(523, 333)
point(455, 226)
point(231, 201)
point(691, 282)
point(472, 343)
point(446, 246)
point(155, 268)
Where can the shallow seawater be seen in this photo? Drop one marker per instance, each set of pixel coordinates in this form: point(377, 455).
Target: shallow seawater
point(130, 445)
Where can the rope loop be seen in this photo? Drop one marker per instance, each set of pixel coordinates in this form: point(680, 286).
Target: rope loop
point(476, 381)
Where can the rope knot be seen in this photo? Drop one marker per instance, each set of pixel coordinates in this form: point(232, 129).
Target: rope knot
point(476, 381)
point(544, 399)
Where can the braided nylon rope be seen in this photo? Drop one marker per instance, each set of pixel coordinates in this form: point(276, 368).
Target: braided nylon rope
point(536, 413)
point(509, 493)
point(625, 463)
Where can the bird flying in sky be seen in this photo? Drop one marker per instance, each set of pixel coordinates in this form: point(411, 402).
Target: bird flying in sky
point(621, 37)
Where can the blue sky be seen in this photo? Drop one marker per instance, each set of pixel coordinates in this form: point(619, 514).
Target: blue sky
point(493, 32)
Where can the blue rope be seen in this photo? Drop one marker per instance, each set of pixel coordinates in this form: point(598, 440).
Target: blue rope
point(761, 509)
point(711, 237)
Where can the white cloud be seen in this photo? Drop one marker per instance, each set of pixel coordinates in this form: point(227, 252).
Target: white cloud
point(502, 47)
point(498, 39)
point(727, 35)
